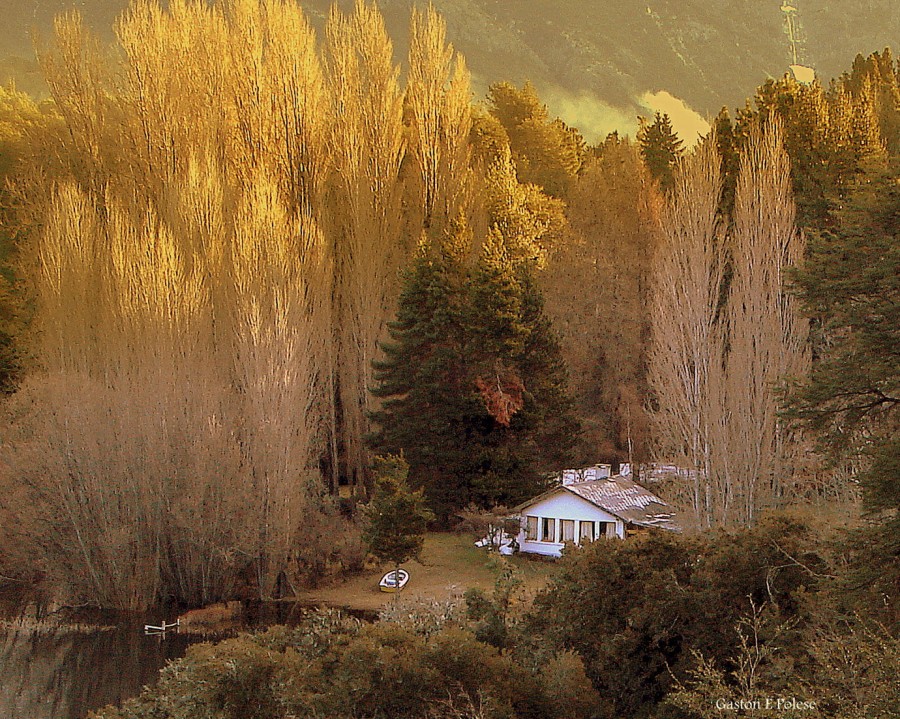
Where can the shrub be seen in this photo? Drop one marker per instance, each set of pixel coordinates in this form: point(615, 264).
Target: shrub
point(424, 616)
point(637, 611)
point(335, 667)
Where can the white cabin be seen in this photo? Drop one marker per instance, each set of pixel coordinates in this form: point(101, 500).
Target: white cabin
point(581, 512)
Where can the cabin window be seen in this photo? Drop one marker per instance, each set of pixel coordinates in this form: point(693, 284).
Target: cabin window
point(568, 530)
point(549, 533)
point(607, 529)
point(587, 532)
point(531, 529)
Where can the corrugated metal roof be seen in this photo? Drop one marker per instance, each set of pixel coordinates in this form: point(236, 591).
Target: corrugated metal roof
point(623, 498)
point(628, 500)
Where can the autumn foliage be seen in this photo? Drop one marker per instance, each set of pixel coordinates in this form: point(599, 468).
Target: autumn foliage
point(502, 395)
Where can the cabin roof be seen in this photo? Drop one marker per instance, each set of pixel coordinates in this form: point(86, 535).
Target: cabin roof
point(621, 497)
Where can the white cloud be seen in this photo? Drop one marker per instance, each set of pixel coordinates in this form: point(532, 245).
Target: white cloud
point(594, 118)
point(688, 123)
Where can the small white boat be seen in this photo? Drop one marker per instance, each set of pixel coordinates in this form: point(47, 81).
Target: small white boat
point(394, 581)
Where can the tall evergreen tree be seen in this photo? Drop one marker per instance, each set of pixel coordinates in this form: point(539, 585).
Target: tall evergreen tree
point(421, 379)
point(661, 148)
point(396, 518)
point(853, 394)
point(520, 378)
point(727, 144)
point(472, 382)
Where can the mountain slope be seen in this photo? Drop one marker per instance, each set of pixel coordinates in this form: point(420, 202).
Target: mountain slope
point(595, 61)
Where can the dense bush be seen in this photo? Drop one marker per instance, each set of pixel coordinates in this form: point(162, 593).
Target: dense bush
point(639, 612)
point(852, 673)
point(658, 627)
point(332, 666)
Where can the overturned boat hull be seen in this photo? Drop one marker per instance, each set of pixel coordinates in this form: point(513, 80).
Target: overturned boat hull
point(390, 583)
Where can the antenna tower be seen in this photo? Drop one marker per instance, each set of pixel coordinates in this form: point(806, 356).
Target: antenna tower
point(794, 31)
point(792, 25)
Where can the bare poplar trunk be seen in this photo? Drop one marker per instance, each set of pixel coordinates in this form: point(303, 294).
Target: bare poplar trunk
point(766, 336)
point(685, 359)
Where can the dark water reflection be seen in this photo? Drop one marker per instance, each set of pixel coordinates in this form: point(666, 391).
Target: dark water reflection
point(65, 665)
point(61, 672)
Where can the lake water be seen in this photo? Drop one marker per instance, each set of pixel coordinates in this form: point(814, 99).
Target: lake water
point(68, 664)
point(61, 672)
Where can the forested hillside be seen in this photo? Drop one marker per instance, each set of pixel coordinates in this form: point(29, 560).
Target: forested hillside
point(592, 61)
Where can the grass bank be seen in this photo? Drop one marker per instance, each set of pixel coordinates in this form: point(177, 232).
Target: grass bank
point(450, 564)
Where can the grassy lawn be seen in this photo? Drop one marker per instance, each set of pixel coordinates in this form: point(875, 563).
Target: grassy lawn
point(451, 563)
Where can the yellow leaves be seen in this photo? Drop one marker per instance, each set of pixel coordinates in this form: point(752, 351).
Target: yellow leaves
point(528, 220)
point(112, 284)
point(65, 264)
point(264, 253)
point(175, 78)
point(248, 189)
point(278, 304)
point(225, 242)
point(17, 112)
point(29, 138)
point(63, 249)
point(299, 112)
point(76, 73)
point(152, 281)
point(240, 81)
point(367, 105)
point(367, 147)
point(438, 94)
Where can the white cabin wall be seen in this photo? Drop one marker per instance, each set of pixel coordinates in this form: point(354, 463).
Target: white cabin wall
point(563, 505)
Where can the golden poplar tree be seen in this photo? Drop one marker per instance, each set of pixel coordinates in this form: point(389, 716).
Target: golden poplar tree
point(368, 147)
point(217, 251)
point(438, 94)
point(184, 299)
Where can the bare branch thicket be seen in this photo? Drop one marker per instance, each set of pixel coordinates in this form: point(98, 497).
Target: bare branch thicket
point(183, 284)
point(687, 345)
point(718, 357)
point(767, 336)
point(217, 260)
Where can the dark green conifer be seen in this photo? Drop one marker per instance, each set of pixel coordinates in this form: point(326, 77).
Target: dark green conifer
point(660, 148)
point(521, 378)
point(851, 284)
point(727, 143)
point(422, 379)
point(396, 518)
point(473, 385)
